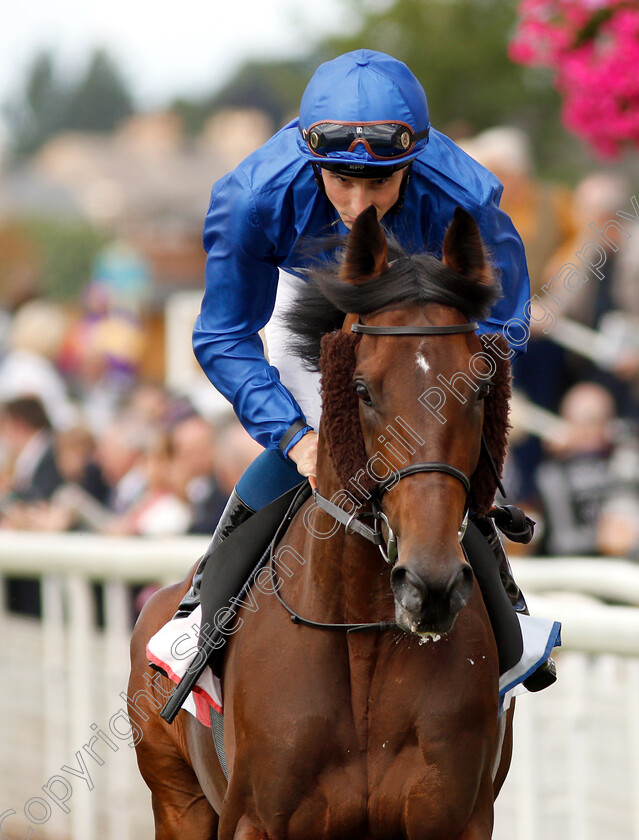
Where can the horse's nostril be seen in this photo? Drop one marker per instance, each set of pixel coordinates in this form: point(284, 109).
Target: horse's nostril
point(409, 588)
point(402, 575)
point(460, 588)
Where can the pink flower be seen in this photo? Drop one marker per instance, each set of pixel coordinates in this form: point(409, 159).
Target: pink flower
point(592, 47)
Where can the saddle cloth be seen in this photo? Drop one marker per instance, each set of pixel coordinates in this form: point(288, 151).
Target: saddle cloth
point(172, 650)
point(174, 646)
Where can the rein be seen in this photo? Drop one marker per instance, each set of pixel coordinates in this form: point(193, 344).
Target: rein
point(298, 619)
point(373, 534)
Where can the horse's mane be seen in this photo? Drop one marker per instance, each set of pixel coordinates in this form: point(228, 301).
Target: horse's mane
point(325, 299)
point(315, 322)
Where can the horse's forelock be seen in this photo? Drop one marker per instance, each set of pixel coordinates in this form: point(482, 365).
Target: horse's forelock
point(409, 279)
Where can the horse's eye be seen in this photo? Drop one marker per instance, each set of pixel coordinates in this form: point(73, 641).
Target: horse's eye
point(362, 393)
point(483, 391)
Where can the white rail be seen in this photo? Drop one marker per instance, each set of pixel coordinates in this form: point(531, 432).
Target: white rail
point(610, 579)
point(576, 769)
point(62, 684)
point(128, 559)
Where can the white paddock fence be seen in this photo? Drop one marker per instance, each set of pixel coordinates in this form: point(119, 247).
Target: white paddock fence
point(575, 774)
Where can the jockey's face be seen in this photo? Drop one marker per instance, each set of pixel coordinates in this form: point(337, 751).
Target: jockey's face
point(350, 196)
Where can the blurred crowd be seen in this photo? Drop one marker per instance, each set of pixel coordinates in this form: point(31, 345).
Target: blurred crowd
point(87, 441)
point(87, 444)
point(157, 468)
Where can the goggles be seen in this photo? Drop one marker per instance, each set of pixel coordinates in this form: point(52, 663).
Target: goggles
point(382, 140)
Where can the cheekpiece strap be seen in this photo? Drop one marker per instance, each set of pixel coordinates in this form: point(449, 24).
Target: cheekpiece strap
point(348, 520)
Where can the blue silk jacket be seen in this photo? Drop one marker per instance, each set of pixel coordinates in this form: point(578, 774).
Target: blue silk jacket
point(261, 210)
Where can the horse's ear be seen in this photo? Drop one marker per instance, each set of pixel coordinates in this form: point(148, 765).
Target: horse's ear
point(366, 250)
point(463, 249)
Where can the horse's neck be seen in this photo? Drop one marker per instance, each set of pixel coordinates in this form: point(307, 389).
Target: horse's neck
point(345, 572)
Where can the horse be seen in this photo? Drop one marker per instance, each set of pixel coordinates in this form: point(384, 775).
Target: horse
point(373, 714)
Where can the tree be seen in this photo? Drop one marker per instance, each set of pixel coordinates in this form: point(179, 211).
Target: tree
point(101, 99)
point(45, 106)
point(37, 113)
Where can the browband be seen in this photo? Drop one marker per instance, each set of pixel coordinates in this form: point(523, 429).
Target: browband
point(448, 329)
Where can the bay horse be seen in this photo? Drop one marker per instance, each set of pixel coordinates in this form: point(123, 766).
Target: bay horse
point(394, 733)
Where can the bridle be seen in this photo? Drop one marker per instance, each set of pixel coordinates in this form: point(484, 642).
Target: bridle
point(352, 522)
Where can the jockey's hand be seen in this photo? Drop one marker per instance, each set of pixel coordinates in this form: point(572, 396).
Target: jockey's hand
point(304, 454)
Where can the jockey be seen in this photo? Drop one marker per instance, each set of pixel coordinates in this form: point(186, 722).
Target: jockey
point(363, 137)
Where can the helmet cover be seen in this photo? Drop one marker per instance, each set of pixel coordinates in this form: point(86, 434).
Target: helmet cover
point(363, 86)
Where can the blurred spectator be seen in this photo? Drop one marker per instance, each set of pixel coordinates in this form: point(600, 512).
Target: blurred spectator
point(25, 432)
point(193, 441)
point(541, 213)
point(28, 367)
point(585, 471)
point(607, 298)
point(80, 501)
point(235, 449)
point(150, 403)
point(101, 354)
point(75, 455)
point(26, 435)
point(159, 510)
point(119, 455)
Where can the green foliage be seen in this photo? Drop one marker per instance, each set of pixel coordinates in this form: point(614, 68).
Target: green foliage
point(101, 99)
point(273, 87)
point(36, 114)
point(67, 251)
point(95, 102)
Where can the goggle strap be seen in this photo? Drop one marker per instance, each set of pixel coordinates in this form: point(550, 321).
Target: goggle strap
point(419, 135)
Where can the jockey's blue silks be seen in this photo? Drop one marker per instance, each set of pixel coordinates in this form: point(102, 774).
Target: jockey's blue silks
point(261, 212)
point(270, 475)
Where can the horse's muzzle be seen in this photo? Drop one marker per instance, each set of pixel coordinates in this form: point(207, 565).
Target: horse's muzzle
point(422, 607)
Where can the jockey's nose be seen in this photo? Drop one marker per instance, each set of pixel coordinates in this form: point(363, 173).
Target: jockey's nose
point(361, 199)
